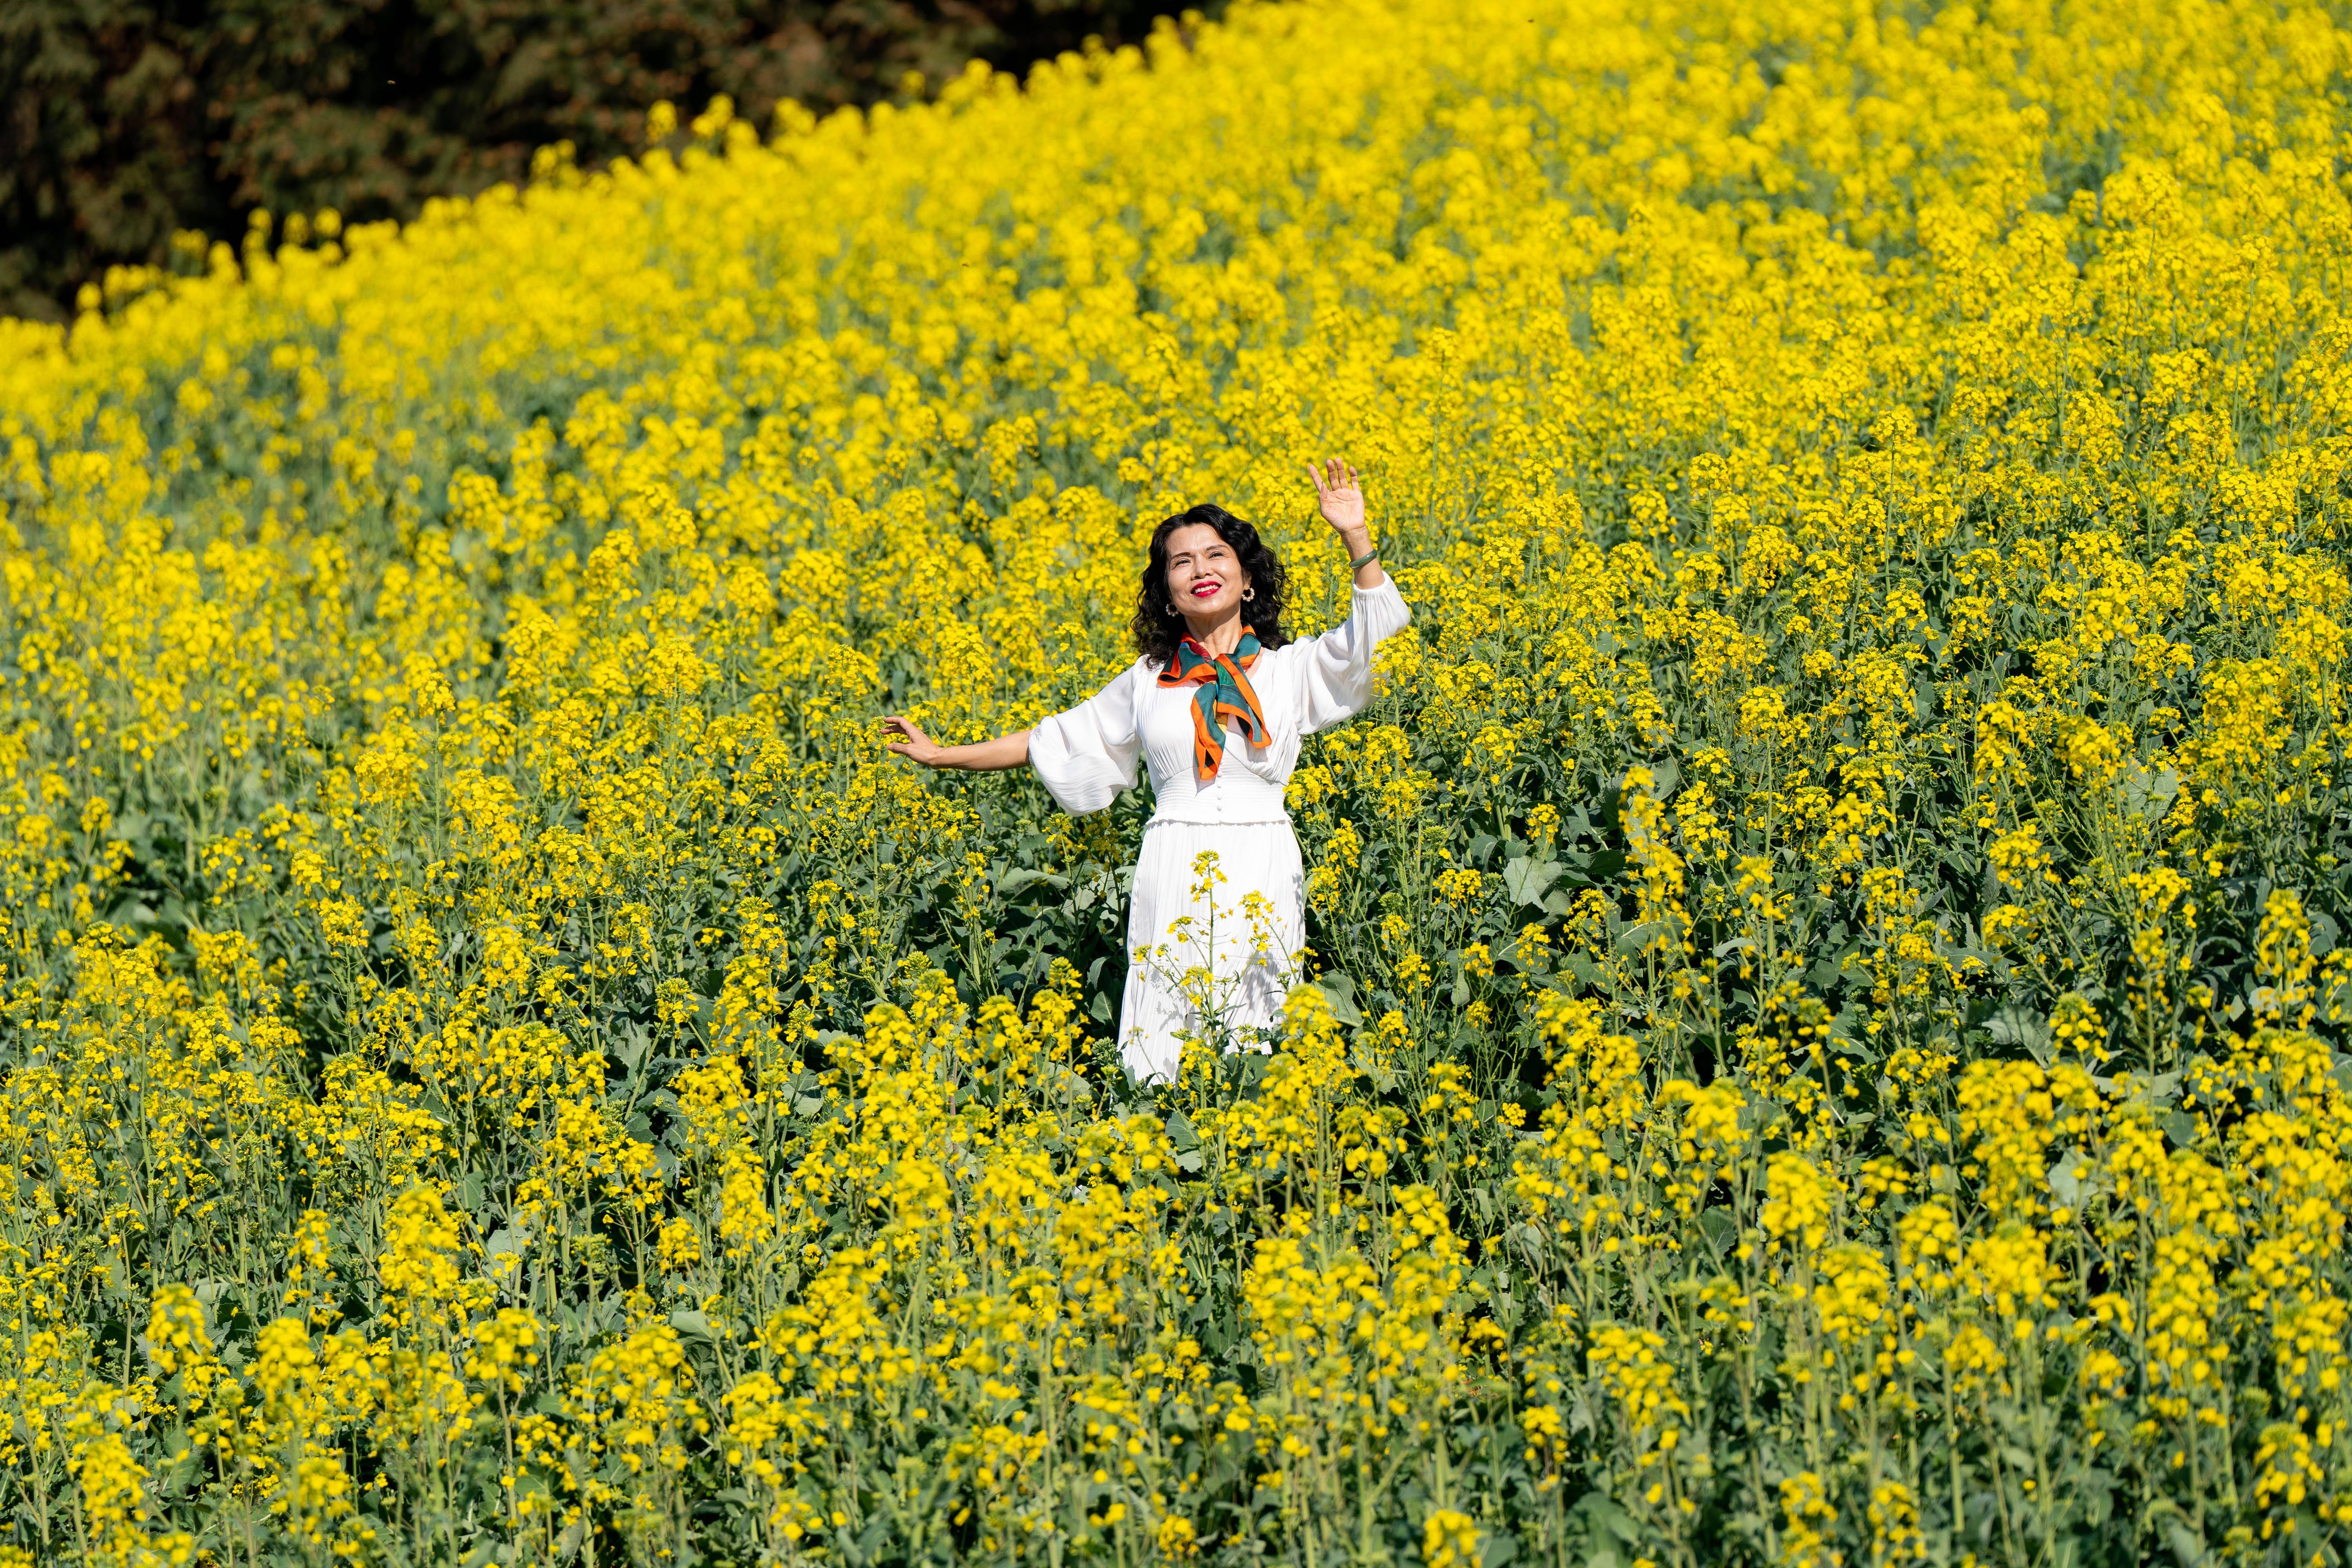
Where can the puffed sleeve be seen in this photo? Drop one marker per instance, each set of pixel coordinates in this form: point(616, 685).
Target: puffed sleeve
point(1333, 673)
point(1086, 754)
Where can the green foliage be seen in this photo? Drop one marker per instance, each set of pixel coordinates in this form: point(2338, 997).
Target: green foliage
point(127, 123)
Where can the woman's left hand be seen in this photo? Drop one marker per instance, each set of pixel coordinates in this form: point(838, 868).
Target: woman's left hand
point(1341, 501)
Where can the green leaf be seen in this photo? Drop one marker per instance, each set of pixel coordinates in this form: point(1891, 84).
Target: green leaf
point(1526, 878)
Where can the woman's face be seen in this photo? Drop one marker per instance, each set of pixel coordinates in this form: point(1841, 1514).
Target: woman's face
point(1204, 578)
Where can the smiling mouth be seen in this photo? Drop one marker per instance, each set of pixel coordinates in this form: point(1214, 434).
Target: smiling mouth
point(1207, 591)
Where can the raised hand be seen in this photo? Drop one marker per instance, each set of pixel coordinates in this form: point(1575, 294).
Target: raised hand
point(1341, 501)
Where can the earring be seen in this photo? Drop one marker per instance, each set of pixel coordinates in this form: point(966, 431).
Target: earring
point(1173, 611)
point(1249, 596)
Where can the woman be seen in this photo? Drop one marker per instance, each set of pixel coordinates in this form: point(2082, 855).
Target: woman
point(1216, 706)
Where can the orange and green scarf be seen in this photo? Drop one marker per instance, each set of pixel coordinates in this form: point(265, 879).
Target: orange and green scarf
point(1224, 693)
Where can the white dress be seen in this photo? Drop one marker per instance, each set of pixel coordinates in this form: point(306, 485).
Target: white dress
point(1197, 962)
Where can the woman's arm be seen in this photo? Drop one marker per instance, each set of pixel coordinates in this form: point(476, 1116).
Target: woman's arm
point(1333, 673)
point(1341, 501)
point(981, 757)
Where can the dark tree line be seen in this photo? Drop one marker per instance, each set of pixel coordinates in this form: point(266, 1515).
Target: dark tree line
point(124, 121)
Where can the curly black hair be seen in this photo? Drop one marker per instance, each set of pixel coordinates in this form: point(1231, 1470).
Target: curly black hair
point(1159, 626)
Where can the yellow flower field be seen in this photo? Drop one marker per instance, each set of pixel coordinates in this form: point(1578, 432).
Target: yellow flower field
point(1830, 938)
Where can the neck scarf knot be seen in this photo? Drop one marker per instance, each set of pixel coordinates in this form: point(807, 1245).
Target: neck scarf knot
point(1223, 692)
